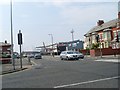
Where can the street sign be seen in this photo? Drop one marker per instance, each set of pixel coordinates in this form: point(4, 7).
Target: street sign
point(19, 38)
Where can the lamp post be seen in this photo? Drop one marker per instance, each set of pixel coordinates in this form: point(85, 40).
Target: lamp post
point(52, 42)
point(13, 62)
point(72, 37)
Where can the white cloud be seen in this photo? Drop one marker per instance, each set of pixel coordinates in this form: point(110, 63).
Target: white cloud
point(76, 15)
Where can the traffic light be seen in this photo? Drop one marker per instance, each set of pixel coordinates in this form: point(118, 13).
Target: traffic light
point(117, 39)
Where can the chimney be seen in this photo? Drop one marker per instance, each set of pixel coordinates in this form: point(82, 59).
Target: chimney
point(5, 41)
point(100, 22)
point(118, 15)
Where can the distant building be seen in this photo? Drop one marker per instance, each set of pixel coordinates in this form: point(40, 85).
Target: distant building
point(62, 46)
point(73, 45)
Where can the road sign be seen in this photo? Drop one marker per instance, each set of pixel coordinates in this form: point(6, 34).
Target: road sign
point(19, 38)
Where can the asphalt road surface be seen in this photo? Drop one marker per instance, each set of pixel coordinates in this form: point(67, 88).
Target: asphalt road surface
point(51, 72)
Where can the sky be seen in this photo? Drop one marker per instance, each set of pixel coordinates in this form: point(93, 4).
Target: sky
point(38, 18)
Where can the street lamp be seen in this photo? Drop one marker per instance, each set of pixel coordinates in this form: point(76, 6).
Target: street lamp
point(13, 62)
point(72, 37)
point(52, 42)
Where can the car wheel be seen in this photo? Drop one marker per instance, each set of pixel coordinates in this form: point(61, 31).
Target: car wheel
point(61, 58)
point(77, 58)
point(67, 58)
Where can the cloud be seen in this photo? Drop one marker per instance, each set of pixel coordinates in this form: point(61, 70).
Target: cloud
point(75, 15)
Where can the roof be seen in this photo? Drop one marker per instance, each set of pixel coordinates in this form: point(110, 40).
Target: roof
point(4, 44)
point(47, 45)
point(106, 25)
point(75, 41)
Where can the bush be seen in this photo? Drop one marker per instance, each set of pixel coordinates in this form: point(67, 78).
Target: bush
point(95, 45)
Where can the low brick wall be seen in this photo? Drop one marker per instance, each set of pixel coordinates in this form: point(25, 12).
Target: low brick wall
point(85, 52)
point(5, 60)
point(105, 51)
point(110, 51)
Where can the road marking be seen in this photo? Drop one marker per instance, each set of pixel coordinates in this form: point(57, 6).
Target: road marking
point(34, 63)
point(87, 82)
point(109, 60)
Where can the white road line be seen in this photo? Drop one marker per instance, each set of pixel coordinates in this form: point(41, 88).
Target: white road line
point(86, 82)
point(34, 63)
point(109, 60)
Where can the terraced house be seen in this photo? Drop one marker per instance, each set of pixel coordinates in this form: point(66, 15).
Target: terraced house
point(108, 34)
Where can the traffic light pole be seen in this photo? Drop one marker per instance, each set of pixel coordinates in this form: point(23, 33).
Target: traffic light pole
point(20, 57)
point(20, 43)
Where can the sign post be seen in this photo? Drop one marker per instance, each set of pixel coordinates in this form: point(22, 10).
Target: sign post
point(20, 43)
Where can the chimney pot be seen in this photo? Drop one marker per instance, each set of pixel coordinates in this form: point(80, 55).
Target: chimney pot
point(100, 22)
point(5, 41)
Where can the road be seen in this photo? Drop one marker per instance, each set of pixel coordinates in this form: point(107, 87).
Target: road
point(51, 72)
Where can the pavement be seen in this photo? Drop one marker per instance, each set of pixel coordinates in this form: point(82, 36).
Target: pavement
point(105, 58)
point(8, 68)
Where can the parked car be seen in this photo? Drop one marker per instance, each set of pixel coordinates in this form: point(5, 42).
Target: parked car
point(30, 56)
point(71, 55)
point(38, 56)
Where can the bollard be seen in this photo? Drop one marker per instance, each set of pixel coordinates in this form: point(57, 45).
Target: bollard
point(29, 61)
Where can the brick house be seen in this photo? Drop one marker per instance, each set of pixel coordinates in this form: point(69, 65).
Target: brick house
point(107, 32)
point(5, 52)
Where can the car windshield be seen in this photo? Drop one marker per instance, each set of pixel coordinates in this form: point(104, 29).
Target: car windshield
point(69, 52)
point(76, 52)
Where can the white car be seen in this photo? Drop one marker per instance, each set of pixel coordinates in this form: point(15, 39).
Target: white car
point(38, 56)
point(71, 55)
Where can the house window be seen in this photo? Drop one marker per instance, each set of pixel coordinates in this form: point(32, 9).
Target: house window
point(119, 35)
point(105, 35)
point(109, 35)
point(114, 34)
point(74, 45)
point(101, 36)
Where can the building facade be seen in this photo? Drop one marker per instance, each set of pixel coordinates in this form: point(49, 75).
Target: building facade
point(57, 48)
point(5, 52)
point(108, 33)
point(5, 48)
